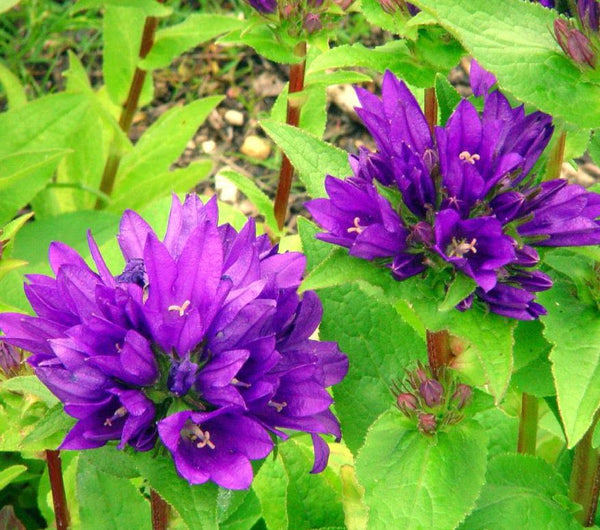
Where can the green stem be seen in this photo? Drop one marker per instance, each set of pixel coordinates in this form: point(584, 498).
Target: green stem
point(528, 425)
point(585, 479)
point(160, 511)
point(131, 103)
point(286, 171)
point(557, 155)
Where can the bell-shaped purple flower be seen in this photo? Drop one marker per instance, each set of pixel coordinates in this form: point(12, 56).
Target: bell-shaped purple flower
point(467, 199)
point(207, 322)
point(264, 6)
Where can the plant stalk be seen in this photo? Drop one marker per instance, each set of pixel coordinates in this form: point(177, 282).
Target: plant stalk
point(557, 156)
point(59, 499)
point(160, 511)
point(528, 424)
point(439, 352)
point(286, 171)
point(431, 108)
point(127, 113)
point(585, 477)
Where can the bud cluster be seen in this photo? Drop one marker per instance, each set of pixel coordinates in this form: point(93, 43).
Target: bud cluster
point(11, 360)
point(433, 401)
point(300, 15)
point(578, 37)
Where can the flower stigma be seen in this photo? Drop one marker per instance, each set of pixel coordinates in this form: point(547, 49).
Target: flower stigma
point(460, 248)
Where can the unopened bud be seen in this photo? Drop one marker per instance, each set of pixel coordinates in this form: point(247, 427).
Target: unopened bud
point(574, 43)
point(10, 359)
point(407, 403)
point(344, 4)
point(427, 423)
point(462, 395)
point(423, 233)
point(312, 22)
point(315, 3)
point(432, 392)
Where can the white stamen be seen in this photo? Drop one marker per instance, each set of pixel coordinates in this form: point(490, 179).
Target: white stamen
point(460, 248)
point(203, 436)
point(468, 157)
point(356, 228)
point(180, 308)
point(277, 406)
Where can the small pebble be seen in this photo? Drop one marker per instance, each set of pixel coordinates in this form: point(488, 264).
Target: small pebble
point(234, 117)
point(226, 189)
point(208, 146)
point(256, 147)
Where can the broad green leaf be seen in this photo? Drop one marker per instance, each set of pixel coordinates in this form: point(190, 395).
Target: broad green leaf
point(5, 5)
point(533, 373)
point(162, 143)
point(100, 508)
point(172, 41)
point(355, 512)
point(255, 195)
point(197, 505)
point(573, 327)
point(15, 93)
point(312, 158)
point(271, 486)
point(265, 41)
point(447, 97)
point(315, 250)
point(519, 47)
point(458, 290)
point(22, 176)
point(524, 492)
point(502, 430)
point(339, 77)
point(313, 116)
point(109, 460)
point(380, 347)
point(122, 32)
point(8, 474)
point(149, 7)
point(413, 481)
point(238, 510)
point(42, 123)
point(30, 384)
point(55, 421)
point(392, 22)
point(135, 194)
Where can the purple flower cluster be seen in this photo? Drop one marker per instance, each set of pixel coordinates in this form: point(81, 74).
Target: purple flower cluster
point(202, 342)
point(462, 198)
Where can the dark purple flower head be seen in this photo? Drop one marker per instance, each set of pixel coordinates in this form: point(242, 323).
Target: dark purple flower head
point(468, 202)
point(207, 322)
point(481, 80)
point(264, 6)
point(589, 14)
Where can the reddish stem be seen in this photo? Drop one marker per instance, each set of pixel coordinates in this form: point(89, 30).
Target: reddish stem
point(293, 118)
point(431, 108)
point(61, 511)
point(160, 511)
point(439, 352)
point(131, 103)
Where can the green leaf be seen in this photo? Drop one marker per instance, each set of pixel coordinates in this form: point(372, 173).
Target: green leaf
point(356, 513)
point(122, 32)
point(271, 486)
point(162, 143)
point(55, 421)
point(316, 251)
point(573, 327)
point(447, 97)
point(172, 41)
point(380, 347)
point(533, 371)
point(339, 77)
point(136, 194)
point(277, 47)
point(459, 289)
point(110, 460)
point(520, 49)
point(255, 195)
point(5, 5)
point(197, 505)
point(44, 122)
point(15, 93)
point(9, 474)
point(149, 7)
point(522, 492)
point(30, 384)
point(242, 509)
point(22, 176)
point(312, 158)
point(100, 508)
point(417, 481)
